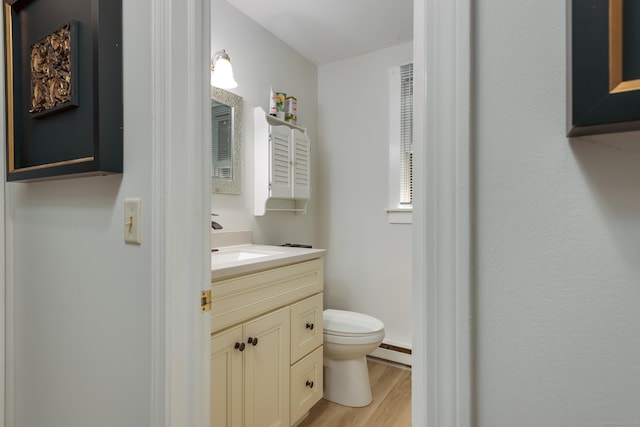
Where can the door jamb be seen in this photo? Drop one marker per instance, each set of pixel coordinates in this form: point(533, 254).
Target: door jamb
point(442, 245)
point(180, 210)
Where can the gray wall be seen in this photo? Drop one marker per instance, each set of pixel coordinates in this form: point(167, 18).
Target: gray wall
point(81, 306)
point(558, 237)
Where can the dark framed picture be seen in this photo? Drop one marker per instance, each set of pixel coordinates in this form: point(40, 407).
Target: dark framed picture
point(64, 88)
point(603, 66)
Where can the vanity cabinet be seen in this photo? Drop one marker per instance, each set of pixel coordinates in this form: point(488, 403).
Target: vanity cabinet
point(266, 346)
point(282, 165)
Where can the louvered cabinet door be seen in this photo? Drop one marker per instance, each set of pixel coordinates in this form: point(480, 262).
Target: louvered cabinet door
point(301, 167)
point(280, 182)
point(282, 166)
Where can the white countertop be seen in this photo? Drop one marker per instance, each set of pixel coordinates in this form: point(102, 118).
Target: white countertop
point(267, 257)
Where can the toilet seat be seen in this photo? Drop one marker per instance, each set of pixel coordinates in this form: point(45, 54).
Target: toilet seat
point(349, 323)
point(348, 327)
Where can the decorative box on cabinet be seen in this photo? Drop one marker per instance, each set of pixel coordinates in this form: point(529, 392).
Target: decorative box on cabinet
point(282, 169)
point(266, 347)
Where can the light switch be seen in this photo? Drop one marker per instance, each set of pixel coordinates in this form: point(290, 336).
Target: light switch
point(132, 221)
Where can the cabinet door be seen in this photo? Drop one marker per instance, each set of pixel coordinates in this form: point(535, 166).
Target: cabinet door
point(301, 168)
point(280, 162)
point(306, 326)
point(226, 379)
point(267, 370)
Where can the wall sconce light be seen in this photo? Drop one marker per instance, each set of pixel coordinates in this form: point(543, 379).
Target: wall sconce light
point(221, 71)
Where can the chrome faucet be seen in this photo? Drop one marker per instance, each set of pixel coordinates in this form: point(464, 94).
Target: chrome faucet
point(214, 224)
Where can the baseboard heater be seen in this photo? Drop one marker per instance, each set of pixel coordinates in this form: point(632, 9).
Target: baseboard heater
point(393, 353)
point(395, 348)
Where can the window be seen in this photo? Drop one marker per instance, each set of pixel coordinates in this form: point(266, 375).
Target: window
point(400, 144)
point(406, 135)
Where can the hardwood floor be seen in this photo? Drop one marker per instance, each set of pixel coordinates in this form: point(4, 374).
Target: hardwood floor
point(391, 406)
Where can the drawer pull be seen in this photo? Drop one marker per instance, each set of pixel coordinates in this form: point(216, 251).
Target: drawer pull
point(253, 341)
point(239, 346)
point(310, 384)
point(310, 326)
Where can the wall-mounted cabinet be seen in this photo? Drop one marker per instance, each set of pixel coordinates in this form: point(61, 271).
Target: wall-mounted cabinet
point(282, 165)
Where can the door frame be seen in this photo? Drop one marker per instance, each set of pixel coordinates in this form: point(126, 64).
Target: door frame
point(180, 220)
point(442, 215)
point(442, 371)
point(442, 313)
point(442, 246)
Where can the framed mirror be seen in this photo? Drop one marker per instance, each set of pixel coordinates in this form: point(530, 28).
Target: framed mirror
point(226, 142)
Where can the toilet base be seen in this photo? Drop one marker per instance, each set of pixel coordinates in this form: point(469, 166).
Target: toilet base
point(346, 382)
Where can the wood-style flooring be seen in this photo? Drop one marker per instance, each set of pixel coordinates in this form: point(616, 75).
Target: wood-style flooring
point(391, 406)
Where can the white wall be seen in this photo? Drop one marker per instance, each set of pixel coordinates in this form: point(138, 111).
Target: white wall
point(261, 61)
point(558, 238)
point(368, 265)
point(81, 298)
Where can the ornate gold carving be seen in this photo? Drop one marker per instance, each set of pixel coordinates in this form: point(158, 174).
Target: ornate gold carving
point(51, 71)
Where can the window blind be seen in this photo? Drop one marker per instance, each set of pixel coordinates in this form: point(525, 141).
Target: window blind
point(406, 134)
point(221, 131)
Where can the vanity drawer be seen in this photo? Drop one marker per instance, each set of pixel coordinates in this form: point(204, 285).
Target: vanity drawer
point(306, 326)
point(240, 298)
point(306, 384)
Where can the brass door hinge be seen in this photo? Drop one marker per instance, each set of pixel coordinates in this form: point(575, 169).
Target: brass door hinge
point(205, 301)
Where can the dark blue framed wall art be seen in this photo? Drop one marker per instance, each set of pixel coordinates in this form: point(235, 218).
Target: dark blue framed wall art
point(603, 66)
point(63, 88)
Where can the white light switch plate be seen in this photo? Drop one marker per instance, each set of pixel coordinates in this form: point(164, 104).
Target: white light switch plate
point(132, 221)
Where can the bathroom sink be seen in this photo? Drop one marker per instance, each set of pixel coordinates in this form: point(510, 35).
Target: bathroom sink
point(236, 255)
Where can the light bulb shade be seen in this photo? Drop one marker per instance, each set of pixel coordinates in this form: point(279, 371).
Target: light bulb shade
point(221, 71)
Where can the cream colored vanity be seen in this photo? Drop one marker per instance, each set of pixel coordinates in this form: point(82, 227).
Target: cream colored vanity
point(266, 342)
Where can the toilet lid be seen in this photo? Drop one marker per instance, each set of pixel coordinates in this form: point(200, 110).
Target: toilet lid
point(349, 322)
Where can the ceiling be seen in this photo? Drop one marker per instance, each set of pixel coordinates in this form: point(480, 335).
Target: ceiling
point(325, 31)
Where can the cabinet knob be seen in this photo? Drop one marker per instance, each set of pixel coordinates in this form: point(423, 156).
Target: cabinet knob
point(239, 346)
point(253, 341)
point(310, 384)
point(310, 326)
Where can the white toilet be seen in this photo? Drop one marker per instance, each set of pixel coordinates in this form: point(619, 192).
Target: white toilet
point(348, 338)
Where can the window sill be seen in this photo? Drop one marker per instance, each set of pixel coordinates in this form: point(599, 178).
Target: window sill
point(400, 215)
